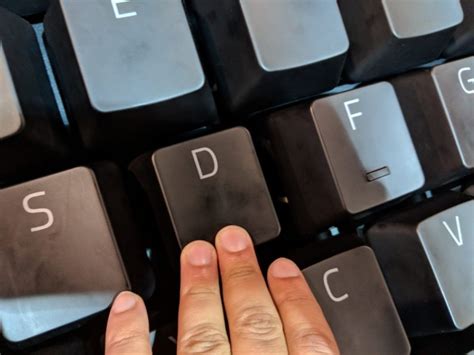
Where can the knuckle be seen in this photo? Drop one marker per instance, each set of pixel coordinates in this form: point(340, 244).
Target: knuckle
point(259, 323)
point(309, 341)
point(295, 297)
point(199, 291)
point(241, 272)
point(204, 339)
point(123, 341)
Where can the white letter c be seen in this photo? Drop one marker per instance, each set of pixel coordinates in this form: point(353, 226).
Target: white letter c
point(328, 290)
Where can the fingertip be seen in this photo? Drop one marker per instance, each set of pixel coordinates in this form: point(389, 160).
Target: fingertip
point(125, 305)
point(283, 268)
point(232, 228)
point(198, 266)
point(127, 326)
point(233, 239)
point(198, 253)
point(125, 301)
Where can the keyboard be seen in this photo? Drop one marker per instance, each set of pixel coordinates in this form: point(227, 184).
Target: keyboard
point(339, 133)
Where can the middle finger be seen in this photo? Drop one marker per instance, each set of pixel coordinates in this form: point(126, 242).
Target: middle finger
point(254, 323)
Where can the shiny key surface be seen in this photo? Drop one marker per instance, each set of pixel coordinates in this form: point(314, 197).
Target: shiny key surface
point(283, 32)
point(279, 60)
point(391, 36)
point(438, 105)
point(448, 241)
point(357, 304)
point(119, 44)
point(426, 257)
point(211, 182)
point(58, 258)
point(129, 71)
point(368, 146)
point(414, 18)
point(351, 150)
point(455, 84)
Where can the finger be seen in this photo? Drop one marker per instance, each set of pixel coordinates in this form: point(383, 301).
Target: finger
point(306, 328)
point(201, 324)
point(254, 323)
point(127, 327)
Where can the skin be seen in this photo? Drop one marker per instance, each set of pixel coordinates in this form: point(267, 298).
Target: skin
point(276, 316)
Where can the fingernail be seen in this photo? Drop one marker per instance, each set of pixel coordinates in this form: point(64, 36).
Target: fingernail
point(234, 239)
point(124, 302)
point(199, 254)
point(284, 268)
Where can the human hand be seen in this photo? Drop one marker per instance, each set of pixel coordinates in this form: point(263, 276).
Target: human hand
point(283, 318)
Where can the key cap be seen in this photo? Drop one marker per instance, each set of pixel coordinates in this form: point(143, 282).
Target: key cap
point(426, 256)
point(355, 300)
point(462, 43)
point(129, 71)
point(343, 155)
point(32, 136)
point(438, 105)
point(25, 7)
point(207, 183)
point(59, 257)
point(266, 53)
point(391, 36)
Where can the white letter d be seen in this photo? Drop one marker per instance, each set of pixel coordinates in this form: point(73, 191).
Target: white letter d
point(202, 175)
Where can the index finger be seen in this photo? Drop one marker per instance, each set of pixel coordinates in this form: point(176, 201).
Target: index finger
point(201, 323)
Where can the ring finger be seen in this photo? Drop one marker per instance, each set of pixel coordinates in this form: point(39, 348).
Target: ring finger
point(307, 331)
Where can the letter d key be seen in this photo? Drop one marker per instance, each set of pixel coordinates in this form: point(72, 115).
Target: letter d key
point(207, 183)
point(215, 168)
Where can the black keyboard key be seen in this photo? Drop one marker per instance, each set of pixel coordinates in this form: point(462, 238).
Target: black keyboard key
point(58, 255)
point(391, 36)
point(458, 101)
point(438, 105)
point(357, 304)
point(343, 155)
point(60, 240)
point(25, 7)
point(32, 136)
point(462, 43)
point(129, 71)
point(426, 257)
point(208, 183)
point(266, 53)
